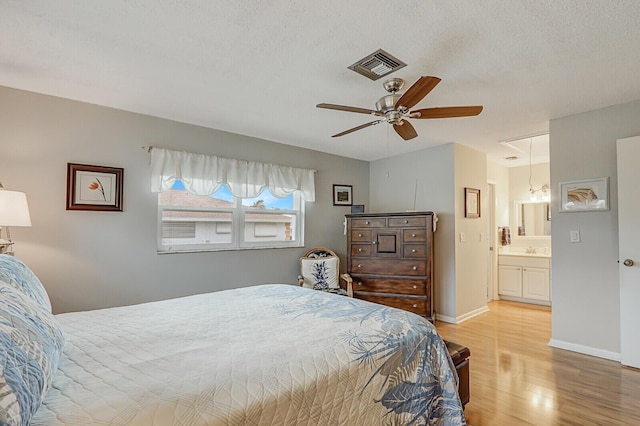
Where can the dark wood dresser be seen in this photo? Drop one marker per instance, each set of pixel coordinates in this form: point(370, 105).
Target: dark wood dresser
point(390, 258)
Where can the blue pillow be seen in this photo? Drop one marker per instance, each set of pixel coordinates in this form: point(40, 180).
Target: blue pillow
point(18, 275)
point(31, 342)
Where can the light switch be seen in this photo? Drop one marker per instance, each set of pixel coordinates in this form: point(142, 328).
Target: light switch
point(462, 237)
point(574, 236)
point(482, 237)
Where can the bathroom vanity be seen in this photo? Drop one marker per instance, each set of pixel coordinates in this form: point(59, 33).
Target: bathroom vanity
point(524, 275)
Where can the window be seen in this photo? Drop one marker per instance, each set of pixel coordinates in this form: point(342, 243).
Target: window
point(207, 202)
point(220, 221)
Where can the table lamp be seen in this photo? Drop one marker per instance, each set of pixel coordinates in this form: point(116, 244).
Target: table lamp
point(14, 211)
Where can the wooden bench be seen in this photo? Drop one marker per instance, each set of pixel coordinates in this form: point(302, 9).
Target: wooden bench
point(460, 357)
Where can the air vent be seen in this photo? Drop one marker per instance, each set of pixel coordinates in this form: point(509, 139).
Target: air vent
point(378, 64)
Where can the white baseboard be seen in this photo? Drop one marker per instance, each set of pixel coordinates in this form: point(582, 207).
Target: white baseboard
point(445, 318)
point(587, 350)
point(461, 318)
point(524, 300)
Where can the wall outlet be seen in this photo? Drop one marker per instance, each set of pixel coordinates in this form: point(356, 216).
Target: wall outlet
point(574, 236)
point(462, 237)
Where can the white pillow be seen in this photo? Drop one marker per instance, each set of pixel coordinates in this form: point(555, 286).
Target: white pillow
point(321, 273)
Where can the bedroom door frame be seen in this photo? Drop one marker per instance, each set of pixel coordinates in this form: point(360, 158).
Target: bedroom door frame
point(628, 152)
point(492, 252)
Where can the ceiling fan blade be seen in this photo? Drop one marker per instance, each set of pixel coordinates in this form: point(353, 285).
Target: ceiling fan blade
point(447, 112)
point(417, 92)
point(405, 130)
point(349, 109)
point(373, 123)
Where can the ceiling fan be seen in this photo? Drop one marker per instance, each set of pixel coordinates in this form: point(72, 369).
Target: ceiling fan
point(394, 108)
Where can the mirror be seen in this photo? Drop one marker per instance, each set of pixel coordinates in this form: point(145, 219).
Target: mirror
point(532, 219)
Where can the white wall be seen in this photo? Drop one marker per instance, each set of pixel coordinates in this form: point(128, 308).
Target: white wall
point(442, 172)
point(500, 175)
point(519, 180)
point(472, 253)
point(90, 260)
point(585, 291)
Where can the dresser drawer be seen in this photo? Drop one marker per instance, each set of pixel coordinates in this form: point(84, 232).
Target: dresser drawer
point(398, 222)
point(414, 235)
point(361, 235)
point(414, 250)
point(389, 267)
point(376, 222)
point(384, 285)
point(361, 250)
point(417, 305)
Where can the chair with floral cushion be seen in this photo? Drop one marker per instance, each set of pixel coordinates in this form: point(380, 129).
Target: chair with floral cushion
point(320, 270)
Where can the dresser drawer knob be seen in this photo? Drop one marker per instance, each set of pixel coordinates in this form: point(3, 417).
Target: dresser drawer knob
point(359, 265)
point(359, 282)
point(415, 268)
point(406, 221)
point(415, 305)
point(359, 250)
point(367, 222)
point(413, 250)
point(415, 286)
point(360, 235)
point(413, 235)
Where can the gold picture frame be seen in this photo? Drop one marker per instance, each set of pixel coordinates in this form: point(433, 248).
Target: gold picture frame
point(471, 203)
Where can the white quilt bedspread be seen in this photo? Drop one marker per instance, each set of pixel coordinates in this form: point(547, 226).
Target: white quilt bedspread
point(262, 355)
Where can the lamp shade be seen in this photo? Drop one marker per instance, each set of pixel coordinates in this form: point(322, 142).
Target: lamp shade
point(14, 210)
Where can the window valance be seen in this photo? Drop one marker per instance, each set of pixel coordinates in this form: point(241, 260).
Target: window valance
point(204, 174)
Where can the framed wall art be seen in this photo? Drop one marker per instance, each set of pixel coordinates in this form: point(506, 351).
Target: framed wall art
point(584, 195)
point(95, 188)
point(342, 195)
point(471, 203)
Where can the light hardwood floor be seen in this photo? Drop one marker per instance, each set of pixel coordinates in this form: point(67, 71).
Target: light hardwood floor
point(516, 378)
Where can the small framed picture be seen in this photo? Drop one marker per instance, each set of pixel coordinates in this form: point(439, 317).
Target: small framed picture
point(471, 203)
point(95, 188)
point(585, 195)
point(342, 195)
point(357, 208)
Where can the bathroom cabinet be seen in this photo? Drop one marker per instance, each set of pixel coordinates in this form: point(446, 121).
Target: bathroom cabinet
point(524, 279)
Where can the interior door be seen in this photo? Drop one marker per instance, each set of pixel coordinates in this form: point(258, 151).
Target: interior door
point(629, 249)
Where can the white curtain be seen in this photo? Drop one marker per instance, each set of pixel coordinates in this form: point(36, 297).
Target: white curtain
point(204, 174)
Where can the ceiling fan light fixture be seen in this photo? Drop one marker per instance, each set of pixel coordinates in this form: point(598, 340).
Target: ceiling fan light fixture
point(395, 107)
point(394, 117)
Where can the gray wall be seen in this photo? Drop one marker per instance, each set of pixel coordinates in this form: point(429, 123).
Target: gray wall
point(90, 260)
point(441, 174)
point(585, 290)
point(393, 185)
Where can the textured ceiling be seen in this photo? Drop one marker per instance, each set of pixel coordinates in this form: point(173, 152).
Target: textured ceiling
point(259, 67)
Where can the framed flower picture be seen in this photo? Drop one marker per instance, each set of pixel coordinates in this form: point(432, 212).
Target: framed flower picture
point(95, 188)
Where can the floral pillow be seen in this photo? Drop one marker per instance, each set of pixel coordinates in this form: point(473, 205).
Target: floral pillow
point(320, 273)
point(31, 342)
point(19, 276)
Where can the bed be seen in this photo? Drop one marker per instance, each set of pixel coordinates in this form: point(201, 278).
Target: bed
point(261, 355)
